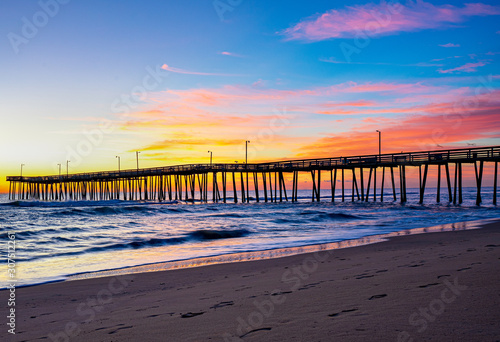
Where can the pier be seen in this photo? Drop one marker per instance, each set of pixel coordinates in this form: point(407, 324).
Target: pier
point(191, 182)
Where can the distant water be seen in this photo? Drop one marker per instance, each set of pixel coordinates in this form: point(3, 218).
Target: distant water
point(57, 239)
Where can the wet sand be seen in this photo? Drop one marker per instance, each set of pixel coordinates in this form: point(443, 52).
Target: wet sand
point(428, 287)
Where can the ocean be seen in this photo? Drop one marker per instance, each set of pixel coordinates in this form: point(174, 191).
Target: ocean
point(57, 240)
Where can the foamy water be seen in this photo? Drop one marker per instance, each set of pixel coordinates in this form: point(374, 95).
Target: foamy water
point(55, 240)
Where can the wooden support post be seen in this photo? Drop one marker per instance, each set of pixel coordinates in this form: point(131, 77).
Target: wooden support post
point(375, 184)
point(242, 188)
point(369, 182)
point(393, 184)
point(455, 187)
point(362, 183)
point(404, 183)
point(460, 198)
point(275, 187)
point(235, 193)
point(256, 185)
point(495, 179)
point(264, 184)
point(422, 184)
point(214, 182)
point(438, 195)
point(355, 181)
point(342, 185)
point(333, 183)
point(224, 176)
point(313, 176)
point(283, 186)
point(248, 190)
point(271, 187)
point(448, 182)
point(401, 196)
point(297, 186)
point(318, 193)
point(479, 180)
point(382, 186)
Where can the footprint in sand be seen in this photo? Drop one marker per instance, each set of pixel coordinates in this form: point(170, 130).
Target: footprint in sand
point(192, 314)
point(255, 330)
point(222, 304)
point(377, 296)
point(343, 311)
point(444, 275)
point(428, 285)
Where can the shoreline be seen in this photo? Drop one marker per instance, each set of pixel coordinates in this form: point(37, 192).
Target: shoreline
point(434, 287)
point(273, 253)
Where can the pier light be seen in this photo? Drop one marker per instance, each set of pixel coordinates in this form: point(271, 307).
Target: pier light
point(118, 157)
point(210, 157)
point(67, 167)
point(22, 169)
point(59, 169)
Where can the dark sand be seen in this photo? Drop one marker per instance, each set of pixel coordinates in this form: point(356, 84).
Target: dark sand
point(428, 287)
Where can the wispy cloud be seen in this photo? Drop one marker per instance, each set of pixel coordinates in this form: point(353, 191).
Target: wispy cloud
point(384, 19)
point(188, 72)
point(232, 54)
point(469, 67)
point(449, 45)
point(420, 64)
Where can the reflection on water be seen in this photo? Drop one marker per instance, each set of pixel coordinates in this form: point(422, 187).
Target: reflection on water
point(282, 252)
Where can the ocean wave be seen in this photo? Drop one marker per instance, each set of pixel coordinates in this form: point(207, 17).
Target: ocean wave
point(198, 235)
point(205, 234)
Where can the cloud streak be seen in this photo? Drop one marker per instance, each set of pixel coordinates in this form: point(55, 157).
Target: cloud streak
point(384, 19)
point(469, 67)
point(449, 45)
point(187, 72)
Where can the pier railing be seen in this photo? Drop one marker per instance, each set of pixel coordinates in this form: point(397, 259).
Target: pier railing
point(403, 158)
point(180, 181)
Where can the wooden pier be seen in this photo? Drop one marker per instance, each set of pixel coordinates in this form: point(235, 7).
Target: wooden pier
point(185, 182)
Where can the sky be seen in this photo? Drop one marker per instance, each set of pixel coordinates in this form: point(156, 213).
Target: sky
point(87, 81)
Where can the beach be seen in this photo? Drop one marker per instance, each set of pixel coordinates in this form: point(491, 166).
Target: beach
point(426, 287)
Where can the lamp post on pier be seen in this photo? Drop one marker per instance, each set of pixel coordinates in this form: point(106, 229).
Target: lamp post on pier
point(379, 145)
point(210, 157)
point(67, 168)
point(22, 170)
point(59, 170)
point(119, 169)
point(246, 151)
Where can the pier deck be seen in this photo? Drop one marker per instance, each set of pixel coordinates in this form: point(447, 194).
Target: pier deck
point(179, 182)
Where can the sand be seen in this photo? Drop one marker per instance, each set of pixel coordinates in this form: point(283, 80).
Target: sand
point(428, 287)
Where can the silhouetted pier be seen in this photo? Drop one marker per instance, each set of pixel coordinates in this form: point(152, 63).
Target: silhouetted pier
point(181, 182)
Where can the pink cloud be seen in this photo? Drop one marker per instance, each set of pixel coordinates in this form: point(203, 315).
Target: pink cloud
point(449, 45)
point(182, 71)
point(469, 67)
point(383, 19)
point(232, 54)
